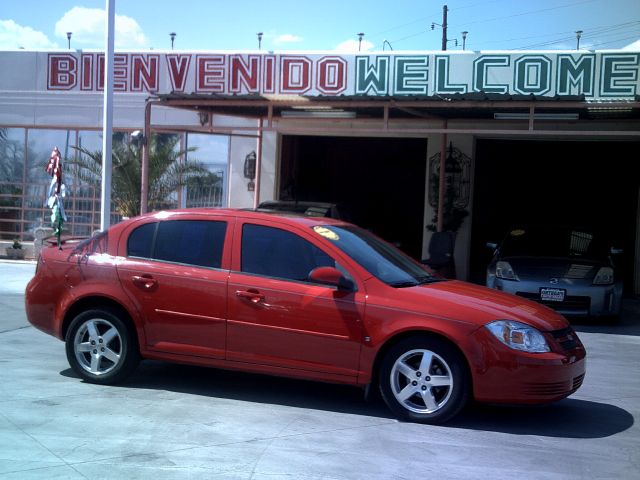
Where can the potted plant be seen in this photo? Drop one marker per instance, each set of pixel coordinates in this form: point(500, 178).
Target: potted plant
point(15, 251)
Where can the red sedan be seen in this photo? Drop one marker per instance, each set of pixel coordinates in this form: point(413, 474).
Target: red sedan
point(304, 297)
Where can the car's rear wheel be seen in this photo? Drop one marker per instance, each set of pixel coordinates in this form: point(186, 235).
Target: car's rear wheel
point(424, 380)
point(100, 347)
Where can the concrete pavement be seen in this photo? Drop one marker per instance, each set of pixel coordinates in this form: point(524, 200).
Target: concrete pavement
point(172, 421)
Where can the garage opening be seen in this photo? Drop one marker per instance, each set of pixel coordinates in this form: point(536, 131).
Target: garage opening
point(589, 184)
point(377, 183)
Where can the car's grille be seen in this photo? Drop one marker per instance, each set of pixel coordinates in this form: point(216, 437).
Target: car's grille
point(553, 389)
point(570, 302)
point(566, 337)
point(547, 389)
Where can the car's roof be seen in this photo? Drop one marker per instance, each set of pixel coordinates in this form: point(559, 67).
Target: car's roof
point(293, 203)
point(287, 217)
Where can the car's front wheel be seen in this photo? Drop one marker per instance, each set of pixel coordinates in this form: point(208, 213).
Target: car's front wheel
point(424, 380)
point(100, 348)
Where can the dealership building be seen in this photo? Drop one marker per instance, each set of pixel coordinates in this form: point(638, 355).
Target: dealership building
point(524, 138)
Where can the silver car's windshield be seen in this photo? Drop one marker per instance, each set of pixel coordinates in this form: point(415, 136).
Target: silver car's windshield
point(382, 260)
point(550, 242)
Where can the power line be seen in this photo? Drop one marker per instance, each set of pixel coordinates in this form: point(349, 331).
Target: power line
point(434, 16)
point(531, 12)
point(458, 26)
point(590, 30)
point(615, 41)
point(585, 36)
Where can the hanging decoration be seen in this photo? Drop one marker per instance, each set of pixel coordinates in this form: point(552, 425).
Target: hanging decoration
point(457, 187)
point(57, 191)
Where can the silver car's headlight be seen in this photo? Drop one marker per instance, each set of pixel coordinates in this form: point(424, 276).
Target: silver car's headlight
point(519, 336)
point(604, 276)
point(504, 270)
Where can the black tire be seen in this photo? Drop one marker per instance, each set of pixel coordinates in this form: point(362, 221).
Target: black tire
point(101, 348)
point(424, 380)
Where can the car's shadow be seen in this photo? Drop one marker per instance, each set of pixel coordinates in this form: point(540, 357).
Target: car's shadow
point(570, 418)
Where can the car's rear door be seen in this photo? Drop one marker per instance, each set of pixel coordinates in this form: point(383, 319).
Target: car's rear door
point(176, 271)
point(277, 317)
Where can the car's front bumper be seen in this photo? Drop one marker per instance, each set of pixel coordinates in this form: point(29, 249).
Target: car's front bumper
point(510, 376)
point(579, 300)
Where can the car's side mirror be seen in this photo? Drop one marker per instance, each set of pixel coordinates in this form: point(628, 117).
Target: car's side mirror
point(333, 277)
point(492, 245)
point(616, 251)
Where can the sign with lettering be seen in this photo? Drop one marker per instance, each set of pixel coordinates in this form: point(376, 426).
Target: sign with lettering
point(597, 75)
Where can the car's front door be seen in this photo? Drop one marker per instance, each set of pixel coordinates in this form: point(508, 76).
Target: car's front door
point(278, 318)
point(175, 271)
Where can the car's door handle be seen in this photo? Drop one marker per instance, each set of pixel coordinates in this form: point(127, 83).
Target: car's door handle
point(145, 282)
point(251, 295)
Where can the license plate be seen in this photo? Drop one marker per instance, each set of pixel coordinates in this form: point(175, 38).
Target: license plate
point(552, 294)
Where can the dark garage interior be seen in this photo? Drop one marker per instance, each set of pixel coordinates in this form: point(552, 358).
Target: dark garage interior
point(587, 184)
point(378, 183)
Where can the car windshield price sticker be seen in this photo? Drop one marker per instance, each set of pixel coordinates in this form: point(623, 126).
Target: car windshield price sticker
point(552, 294)
point(326, 233)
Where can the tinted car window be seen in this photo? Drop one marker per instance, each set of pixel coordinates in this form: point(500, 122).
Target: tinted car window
point(379, 258)
point(140, 241)
point(278, 253)
point(193, 242)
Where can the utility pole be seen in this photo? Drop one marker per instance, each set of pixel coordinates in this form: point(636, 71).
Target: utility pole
point(444, 27)
point(578, 35)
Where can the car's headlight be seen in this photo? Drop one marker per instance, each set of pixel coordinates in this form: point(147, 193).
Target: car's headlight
point(604, 276)
point(504, 270)
point(519, 336)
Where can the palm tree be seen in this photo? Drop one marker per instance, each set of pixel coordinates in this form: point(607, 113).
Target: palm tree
point(11, 161)
point(166, 172)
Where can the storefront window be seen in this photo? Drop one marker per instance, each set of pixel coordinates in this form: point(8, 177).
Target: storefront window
point(11, 154)
point(24, 183)
point(84, 196)
point(212, 151)
point(11, 181)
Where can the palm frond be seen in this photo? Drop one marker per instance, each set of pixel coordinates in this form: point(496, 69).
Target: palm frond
point(167, 172)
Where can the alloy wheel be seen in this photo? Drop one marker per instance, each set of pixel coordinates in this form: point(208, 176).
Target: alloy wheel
point(421, 381)
point(98, 346)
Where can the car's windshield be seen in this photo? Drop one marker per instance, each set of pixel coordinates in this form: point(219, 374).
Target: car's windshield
point(379, 258)
point(553, 243)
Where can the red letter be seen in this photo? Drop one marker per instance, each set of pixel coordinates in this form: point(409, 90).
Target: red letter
point(295, 74)
point(241, 74)
point(178, 70)
point(210, 73)
point(332, 75)
point(62, 72)
point(86, 83)
point(120, 69)
point(144, 73)
point(269, 74)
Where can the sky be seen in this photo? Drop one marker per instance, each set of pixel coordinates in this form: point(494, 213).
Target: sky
point(329, 25)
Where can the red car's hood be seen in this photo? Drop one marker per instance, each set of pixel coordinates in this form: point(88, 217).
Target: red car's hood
point(480, 305)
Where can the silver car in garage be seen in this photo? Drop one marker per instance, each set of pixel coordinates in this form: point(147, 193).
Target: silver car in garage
point(569, 270)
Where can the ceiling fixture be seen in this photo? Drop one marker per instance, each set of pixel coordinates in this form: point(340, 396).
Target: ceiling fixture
point(317, 114)
point(536, 116)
